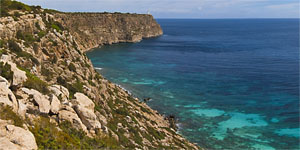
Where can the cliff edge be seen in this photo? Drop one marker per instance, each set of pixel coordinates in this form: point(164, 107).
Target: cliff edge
point(51, 97)
point(93, 29)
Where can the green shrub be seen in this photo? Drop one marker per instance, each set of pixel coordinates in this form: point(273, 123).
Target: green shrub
point(73, 88)
point(47, 73)
point(122, 111)
point(33, 82)
point(3, 51)
point(41, 34)
point(1, 43)
point(27, 37)
point(13, 46)
point(7, 5)
point(91, 83)
point(72, 67)
point(54, 26)
point(5, 71)
point(155, 133)
point(37, 25)
point(48, 136)
point(17, 14)
point(6, 113)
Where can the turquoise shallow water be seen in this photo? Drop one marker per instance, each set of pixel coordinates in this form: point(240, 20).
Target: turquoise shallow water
point(231, 83)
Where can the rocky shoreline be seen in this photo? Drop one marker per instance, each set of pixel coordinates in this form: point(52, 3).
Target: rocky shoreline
point(52, 97)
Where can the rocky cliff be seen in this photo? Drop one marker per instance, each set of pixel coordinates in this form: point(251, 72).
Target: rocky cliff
point(51, 97)
point(93, 29)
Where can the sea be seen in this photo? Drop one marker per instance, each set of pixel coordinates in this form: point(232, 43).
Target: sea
point(231, 83)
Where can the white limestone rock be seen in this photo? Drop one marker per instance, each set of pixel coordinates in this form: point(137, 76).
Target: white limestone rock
point(60, 91)
point(6, 95)
point(19, 76)
point(55, 104)
point(13, 137)
point(40, 99)
point(84, 107)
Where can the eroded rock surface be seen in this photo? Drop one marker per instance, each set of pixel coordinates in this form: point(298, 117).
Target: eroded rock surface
point(12, 137)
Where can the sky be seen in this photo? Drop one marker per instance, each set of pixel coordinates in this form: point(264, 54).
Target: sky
point(181, 8)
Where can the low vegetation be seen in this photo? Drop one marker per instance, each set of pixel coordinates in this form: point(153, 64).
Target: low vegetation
point(48, 136)
point(14, 47)
point(6, 113)
point(5, 71)
point(73, 88)
point(33, 82)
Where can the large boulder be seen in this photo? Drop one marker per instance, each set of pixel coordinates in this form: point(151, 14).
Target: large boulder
point(6, 95)
point(68, 114)
point(84, 101)
point(12, 137)
point(40, 99)
point(84, 107)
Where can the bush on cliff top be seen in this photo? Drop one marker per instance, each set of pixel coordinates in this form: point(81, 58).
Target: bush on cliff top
point(7, 5)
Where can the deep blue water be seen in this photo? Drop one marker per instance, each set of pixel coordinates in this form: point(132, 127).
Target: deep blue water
point(232, 83)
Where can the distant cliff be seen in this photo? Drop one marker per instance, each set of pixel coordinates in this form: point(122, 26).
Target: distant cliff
point(93, 29)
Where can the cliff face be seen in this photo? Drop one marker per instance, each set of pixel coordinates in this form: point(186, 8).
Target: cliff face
point(52, 98)
point(93, 29)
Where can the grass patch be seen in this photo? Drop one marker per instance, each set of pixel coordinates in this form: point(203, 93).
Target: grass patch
point(42, 34)
point(73, 88)
point(155, 133)
point(33, 82)
point(6, 113)
point(49, 137)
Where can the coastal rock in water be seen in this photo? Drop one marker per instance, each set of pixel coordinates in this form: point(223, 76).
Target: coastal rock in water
point(12, 137)
point(41, 100)
point(6, 95)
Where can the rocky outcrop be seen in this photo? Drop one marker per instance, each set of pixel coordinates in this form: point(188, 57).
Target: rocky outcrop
point(15, 138)
point(68, 114)
point(19, 76)
point(93, 29)
point(41, 100)
point(60, 91)
point(61, 85)
point(6, 95)
point(84, 107)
